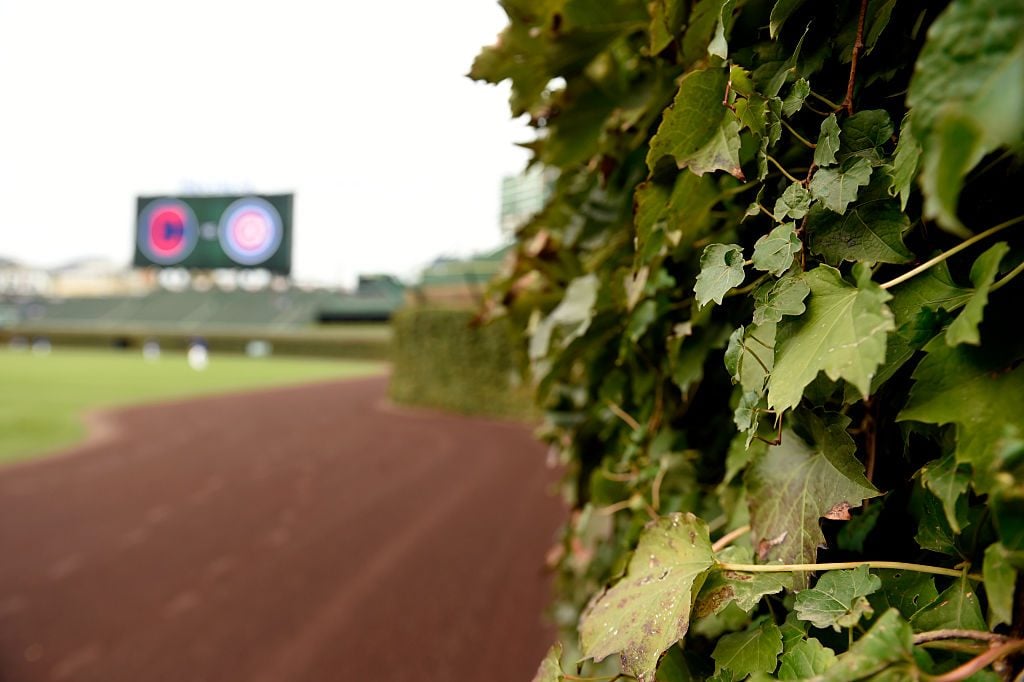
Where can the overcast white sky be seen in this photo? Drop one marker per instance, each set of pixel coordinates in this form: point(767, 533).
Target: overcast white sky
point(361, 108)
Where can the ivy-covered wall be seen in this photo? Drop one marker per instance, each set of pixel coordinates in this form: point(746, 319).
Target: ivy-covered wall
point(771, 311)
point(443, 359)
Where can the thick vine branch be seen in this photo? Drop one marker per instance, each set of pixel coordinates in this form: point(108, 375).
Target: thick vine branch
point(858, 45)
point(980, 662)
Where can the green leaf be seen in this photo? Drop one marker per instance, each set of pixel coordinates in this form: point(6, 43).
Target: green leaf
point(745, 590)
point(871, 231)
point(905, 163)
point(667, 17)
point(700, 29)
point(878, 12)
point(838, 599)
point(774, 251)
point(843, 333)
point(745, 415)
point(648, 611)
point(1000, 579)
point(956, 608)
point(782, 297)
point(641, 320)
point(947, 484)
point(828, 142)
point(865, 133)
point(697, 130)
point(855, 532)
point(681, 213)
point(750, 356)
point(550, 669)
point(572, 315)
point(719, 46)
point(967, 95)
point(968, 387)
point(795, 99)
point(908, 591)
point(800, 481)
point(721, 269)
point(782, 10)
point(807, 659)
point(964, 329)
point(756, 649)
point(793, 203)
point(888, 642)
point(836, 188)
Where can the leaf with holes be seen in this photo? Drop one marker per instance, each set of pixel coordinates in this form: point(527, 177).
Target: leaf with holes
point(649, 609)
point(796, 483)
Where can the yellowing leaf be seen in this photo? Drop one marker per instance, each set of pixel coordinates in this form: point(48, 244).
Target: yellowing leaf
point(648, 611)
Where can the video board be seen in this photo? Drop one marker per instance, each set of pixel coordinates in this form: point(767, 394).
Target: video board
point(208, 232)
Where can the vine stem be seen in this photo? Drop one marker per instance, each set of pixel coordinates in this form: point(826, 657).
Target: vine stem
point(781, 169)
point(953, 633)
point(1006, 278)
point(858, 45)
point(826, 101)
point(898, 565)
point(726, 540)
point(623, 415)
point(979, 662)
point(953, 251)
point(797, 135)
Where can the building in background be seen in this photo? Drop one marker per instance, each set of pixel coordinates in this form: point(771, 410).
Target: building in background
point(524, 195)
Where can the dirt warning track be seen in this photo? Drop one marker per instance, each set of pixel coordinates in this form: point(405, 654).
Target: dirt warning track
point(306, 534)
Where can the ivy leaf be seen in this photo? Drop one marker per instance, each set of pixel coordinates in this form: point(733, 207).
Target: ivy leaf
point(721, 269)
point(905, 163)
point(667, 16)
point(754, 650)
point(719, 46)
point(968, 386)
point(838, 599)
point(964, 329)
point(967, 95)
point(871, 231)
point(681, 213)
point(956, 608)
point(793, 203)
point(745, 590)
point(799, 481)
point(807, 659)
point(780, 12)
point(697, 130)
point(573, 315)
point(745, 415)
point(828, 142)
point(750, 356)
point(843, 333)
point(942, 478)
point(836, 188)
point(648, 611)
point(774, 251)
point(550, 669)
point(1000, 579)
point(795, 99)
point(908, 591)
point(782, 297)
point(865, 133)
point(888, 642)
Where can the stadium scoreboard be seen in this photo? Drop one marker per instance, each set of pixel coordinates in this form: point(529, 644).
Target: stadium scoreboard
point(209, 232)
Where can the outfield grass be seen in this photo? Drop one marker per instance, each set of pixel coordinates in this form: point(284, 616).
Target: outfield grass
point(43, 397)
